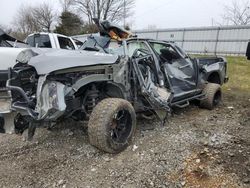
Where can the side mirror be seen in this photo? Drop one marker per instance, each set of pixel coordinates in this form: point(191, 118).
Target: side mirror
point(248, 51)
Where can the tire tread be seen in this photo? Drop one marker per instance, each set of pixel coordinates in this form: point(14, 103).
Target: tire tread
point(100, 119)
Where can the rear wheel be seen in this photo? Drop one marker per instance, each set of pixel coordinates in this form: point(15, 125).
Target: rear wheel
point(112, 125)
point(213, 96)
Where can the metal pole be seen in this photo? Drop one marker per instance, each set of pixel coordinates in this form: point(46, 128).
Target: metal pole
point(124, 13)
point(183, 38)
point(157, 35)
point(217, 41)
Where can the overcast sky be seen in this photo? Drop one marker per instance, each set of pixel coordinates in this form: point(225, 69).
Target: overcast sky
point(159, 13)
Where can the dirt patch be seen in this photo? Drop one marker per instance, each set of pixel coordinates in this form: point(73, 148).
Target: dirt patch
point(196, 148)
point(234, 156)
point(200, 171)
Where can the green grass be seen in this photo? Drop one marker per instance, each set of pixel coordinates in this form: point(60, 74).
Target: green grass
point(239, 74)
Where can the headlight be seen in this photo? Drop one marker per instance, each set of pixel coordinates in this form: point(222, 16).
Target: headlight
point(52, 101)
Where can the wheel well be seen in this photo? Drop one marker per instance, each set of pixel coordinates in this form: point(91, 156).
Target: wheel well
point(88, 96)
point(109, 89)
point(114, 91)
point(214, 78)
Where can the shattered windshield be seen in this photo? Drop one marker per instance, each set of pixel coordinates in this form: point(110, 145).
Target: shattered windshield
point(116, 48)
point(104, 44)
point(95, 43)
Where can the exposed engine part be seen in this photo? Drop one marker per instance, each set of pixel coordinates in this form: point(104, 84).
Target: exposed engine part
point(25, 78)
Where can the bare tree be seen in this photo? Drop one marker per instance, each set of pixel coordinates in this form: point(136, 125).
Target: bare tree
point(238, 13)
point(33, 19)
point(113, 10)
point(44, 16)
point(24, 21)
point(66, 4)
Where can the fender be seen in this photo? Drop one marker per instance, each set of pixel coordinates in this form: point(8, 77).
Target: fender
point(218, 68)
point(91, 78)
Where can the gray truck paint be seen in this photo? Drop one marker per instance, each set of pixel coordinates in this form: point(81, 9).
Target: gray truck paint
point(56, 60)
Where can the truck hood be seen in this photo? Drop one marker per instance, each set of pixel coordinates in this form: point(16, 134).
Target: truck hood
point(9, 56)
point(56, 60)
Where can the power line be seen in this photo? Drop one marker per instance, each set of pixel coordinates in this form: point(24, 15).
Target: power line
point(124, 12)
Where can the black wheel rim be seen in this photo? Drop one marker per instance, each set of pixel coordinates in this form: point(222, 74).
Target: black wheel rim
point(121, 126)
point(217, 98)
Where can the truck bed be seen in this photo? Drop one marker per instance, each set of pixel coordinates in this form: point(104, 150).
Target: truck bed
point(210, 60)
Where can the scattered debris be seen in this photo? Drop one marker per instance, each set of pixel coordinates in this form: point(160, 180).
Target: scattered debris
point(135, 147)
point(93, 169)
point(246, 180)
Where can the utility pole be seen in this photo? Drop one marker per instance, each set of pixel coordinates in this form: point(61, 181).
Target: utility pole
point(124, 13)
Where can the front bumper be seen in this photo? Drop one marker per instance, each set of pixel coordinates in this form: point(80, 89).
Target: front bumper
point(50, 101)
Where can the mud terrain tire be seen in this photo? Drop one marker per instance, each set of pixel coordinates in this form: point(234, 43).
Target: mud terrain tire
point(213, 96)
point(112, 125)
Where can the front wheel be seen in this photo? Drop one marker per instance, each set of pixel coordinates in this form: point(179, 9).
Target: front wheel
point(213, 96)
point(112, 125)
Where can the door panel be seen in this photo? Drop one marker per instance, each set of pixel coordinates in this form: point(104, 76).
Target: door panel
point(181, 74)
point(179, 69)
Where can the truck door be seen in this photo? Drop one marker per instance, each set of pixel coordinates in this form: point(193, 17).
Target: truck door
point(179, 70)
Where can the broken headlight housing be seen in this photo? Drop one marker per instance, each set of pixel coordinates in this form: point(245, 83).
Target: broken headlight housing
point(51, 101)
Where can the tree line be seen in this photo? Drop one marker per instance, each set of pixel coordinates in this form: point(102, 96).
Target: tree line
point(76, 16)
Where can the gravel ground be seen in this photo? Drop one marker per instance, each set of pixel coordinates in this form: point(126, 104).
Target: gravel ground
point(196, 148)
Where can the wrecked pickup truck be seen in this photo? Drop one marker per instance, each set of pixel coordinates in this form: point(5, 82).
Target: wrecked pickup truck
point(109, 82)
